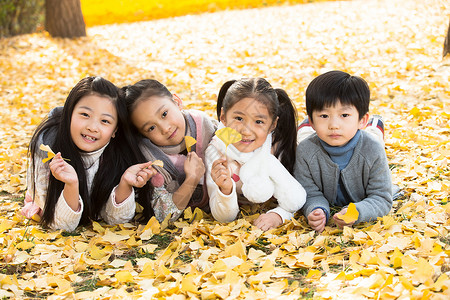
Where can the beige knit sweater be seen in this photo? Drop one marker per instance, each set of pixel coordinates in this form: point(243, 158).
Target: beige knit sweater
point(66, 218)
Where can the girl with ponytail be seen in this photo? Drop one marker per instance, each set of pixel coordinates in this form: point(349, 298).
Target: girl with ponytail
point(258, 167)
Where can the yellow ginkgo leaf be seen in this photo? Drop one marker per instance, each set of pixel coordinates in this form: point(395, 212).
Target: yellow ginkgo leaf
point(190, 141)
point(351, 215)
point(50, 153)
point(25, 245)
point(158, 163)
point(228, 135)
point(124, 276)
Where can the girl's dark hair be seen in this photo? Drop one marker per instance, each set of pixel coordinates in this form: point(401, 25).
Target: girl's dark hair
point(142, 90)
point(278, 104)
point(116, 158)
point(336, 86)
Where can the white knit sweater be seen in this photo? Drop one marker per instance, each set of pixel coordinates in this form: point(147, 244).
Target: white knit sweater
point(66, 218)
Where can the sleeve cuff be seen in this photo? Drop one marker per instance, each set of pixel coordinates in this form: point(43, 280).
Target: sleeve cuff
point(224, 208)
point(227, 197)
point(119, 213)
point(285, 215)
point(125, 202)
point(65, 217)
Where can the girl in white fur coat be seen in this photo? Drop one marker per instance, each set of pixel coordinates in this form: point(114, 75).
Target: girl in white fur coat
point(247, 171)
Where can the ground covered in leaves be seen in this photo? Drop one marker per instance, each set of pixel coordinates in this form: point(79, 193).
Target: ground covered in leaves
point(395, 45)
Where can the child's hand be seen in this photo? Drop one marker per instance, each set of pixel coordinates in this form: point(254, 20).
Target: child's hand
point(268, 221)
point(138, 175)
point(317, 220)
point(340, 223)
point(63, 171)
point(194, 167)
point(221, 175)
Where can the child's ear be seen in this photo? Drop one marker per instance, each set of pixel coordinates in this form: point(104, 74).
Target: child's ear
point(114, 133)
point(178, 101)
point(222, 118)
point(274, 125)
point(363, 121)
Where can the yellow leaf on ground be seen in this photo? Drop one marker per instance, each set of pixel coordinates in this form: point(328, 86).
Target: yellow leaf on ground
point(147, 270)
point(340, 276)
point(153, 225)
point(97, 253)
point(188, 285)
point(267, 267)
point(6, 225)
point(25, 245)
point(314, 274)
point(97, 227)
point(305, 259)
point(441, 282)
point(113, 237)
point(236, 249)
point(124, 276)
point(424, 271)
point(231, 277)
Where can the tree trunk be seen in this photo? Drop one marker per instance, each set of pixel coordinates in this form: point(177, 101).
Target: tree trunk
point(447, 42)
point(63, 18)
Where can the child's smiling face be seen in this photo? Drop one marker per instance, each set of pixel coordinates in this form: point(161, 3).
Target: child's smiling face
point(93, 122)
point(160, 120)
point(252, 120)
point(338, 124)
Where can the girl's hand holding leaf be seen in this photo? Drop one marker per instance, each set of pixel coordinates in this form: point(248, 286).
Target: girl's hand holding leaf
point(63, 171)
point(194, 167)
point(347, 216)
point(138, 175)
point(221, 175)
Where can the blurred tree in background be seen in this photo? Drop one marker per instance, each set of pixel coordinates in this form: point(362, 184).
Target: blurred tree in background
point(63, 18)
point(447, 42)
point(20, 16)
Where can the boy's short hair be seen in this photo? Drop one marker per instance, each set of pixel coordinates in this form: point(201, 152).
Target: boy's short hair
point(336, 86)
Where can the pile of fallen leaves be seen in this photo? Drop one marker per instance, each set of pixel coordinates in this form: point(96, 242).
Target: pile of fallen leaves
point(395, 45)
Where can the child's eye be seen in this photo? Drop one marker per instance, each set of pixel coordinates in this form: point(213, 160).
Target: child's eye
point(106, 121)
point(164, 114)
point(345, 115)
point(151, 128)
point(324, 116)
point(238, 118)
point(259, 122)
point(84, 114)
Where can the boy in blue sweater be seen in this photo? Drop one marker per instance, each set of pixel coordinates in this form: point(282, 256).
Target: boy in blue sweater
point(340, 163)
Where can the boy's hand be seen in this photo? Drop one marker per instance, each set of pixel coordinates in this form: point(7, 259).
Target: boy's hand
point(138, 175)
point(340, 223)
point(317, 220)
point(268, 221)
point(221, 175)
point(63, 171)
point(194, 167)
